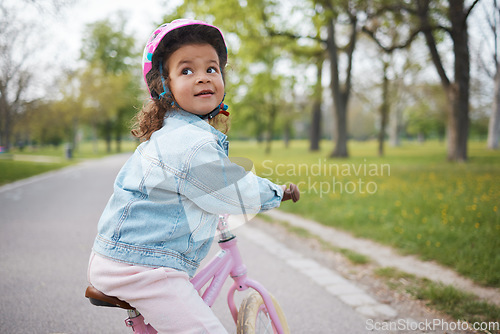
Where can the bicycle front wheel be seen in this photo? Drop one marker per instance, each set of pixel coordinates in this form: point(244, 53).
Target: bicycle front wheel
point(253, 317)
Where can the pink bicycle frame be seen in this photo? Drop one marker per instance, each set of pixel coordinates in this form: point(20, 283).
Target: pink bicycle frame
point(227, 262)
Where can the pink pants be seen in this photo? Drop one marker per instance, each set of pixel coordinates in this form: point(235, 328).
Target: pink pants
point(164, 296)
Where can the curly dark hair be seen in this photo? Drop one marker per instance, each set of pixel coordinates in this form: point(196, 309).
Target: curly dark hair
point(150, 118)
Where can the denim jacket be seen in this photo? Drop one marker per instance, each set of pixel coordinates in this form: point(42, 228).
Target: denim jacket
point(168, 196)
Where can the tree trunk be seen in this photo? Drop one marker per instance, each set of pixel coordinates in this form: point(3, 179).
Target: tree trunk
point(395, 127)
point(95, 146)
point(384, 111)
point(494, 125)
point(458, 124)
point(74, 134)
point(119, 144)
point(5, 120)
point(270, 128)
point(119, 130)
point(458, 93)
point(340, 96)
point(316, 109)
point(108, 131)
point(5, 132)
point(340, 133)
point(287, 133)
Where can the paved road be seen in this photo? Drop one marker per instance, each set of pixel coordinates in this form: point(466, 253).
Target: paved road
point(47, 226)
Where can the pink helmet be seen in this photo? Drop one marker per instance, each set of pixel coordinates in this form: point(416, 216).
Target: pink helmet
point(160, 35)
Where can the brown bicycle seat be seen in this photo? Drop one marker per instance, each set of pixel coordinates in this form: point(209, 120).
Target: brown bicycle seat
point(98, 298)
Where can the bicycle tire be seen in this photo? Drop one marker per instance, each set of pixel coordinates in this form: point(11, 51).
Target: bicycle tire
point(253, 319)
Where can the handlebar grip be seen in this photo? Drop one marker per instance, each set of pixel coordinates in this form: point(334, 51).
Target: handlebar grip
point(292, 193)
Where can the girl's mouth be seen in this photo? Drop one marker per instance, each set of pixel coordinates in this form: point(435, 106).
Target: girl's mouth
point(204, 92)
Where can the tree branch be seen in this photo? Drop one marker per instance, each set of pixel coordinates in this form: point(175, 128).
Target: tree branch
point(436, 59)
point(350, 52)
point(392, 8)
point(391, 48)
point(288, 34)
point(293, 36)
point(440, 27)
point(470, 9)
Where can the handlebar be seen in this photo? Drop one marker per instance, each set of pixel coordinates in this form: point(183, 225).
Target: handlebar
point(292, 193)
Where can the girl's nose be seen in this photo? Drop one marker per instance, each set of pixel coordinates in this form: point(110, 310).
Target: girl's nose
point(203, 77)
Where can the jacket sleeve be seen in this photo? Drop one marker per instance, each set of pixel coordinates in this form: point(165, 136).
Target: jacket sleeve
point(218, 186)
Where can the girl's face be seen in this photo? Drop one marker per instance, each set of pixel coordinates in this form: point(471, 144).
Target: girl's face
point(195, 78)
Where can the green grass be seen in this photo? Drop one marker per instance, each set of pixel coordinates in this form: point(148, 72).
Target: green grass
point(412, 199)
point(85, 150)
point(354, 257)
point(13, 170)
point(17, 170)
point(458, 304)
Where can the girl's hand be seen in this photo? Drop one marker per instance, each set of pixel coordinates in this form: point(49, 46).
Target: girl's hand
point(292, 193)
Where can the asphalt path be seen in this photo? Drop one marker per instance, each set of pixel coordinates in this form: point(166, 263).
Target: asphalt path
point(47, 227)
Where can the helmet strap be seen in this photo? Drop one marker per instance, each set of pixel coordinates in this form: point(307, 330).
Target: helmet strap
point(166, 91)
point(221, 108)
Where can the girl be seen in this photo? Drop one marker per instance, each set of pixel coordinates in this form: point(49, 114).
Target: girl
point(161, 219)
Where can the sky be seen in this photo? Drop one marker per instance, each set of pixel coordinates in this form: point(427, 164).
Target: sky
point(57, 39)
point(63, 32)
point(142, 14)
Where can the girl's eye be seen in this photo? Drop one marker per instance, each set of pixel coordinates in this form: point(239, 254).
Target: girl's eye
point(187, 71)
point(212, 70)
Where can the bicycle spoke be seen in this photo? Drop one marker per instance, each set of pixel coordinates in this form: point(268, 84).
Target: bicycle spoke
point(254, 317)
point(264, 322)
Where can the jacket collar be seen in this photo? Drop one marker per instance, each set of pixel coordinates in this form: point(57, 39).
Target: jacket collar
point(196, 121)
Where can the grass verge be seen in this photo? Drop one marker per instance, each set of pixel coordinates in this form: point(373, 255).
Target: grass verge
point(459, 305)
point(13, 169)
point(17, 170)
point(354, 257)
point(411, 199)
point(464, 307)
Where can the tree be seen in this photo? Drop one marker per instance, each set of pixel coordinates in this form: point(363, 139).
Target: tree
point(46, 122)
point(493, 20)
point(309, 50)
point(108, 85)
point(347, 11)
point(104, 98)
point(431, 14)
point(17, 65)
point(406, 77)
point(315, 131)
point(436, 20)
point(378, 27)
point(494, 123)
point(425, 113)
point(331, 15)
point(384, 109)
point(15, 74)
point(106, 43)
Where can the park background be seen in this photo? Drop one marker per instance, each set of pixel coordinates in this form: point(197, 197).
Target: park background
point(344, 87)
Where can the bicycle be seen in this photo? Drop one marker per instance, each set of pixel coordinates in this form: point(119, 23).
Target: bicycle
point(259, 311)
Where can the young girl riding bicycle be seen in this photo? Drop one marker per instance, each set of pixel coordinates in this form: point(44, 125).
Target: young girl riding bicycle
point(161, 219)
